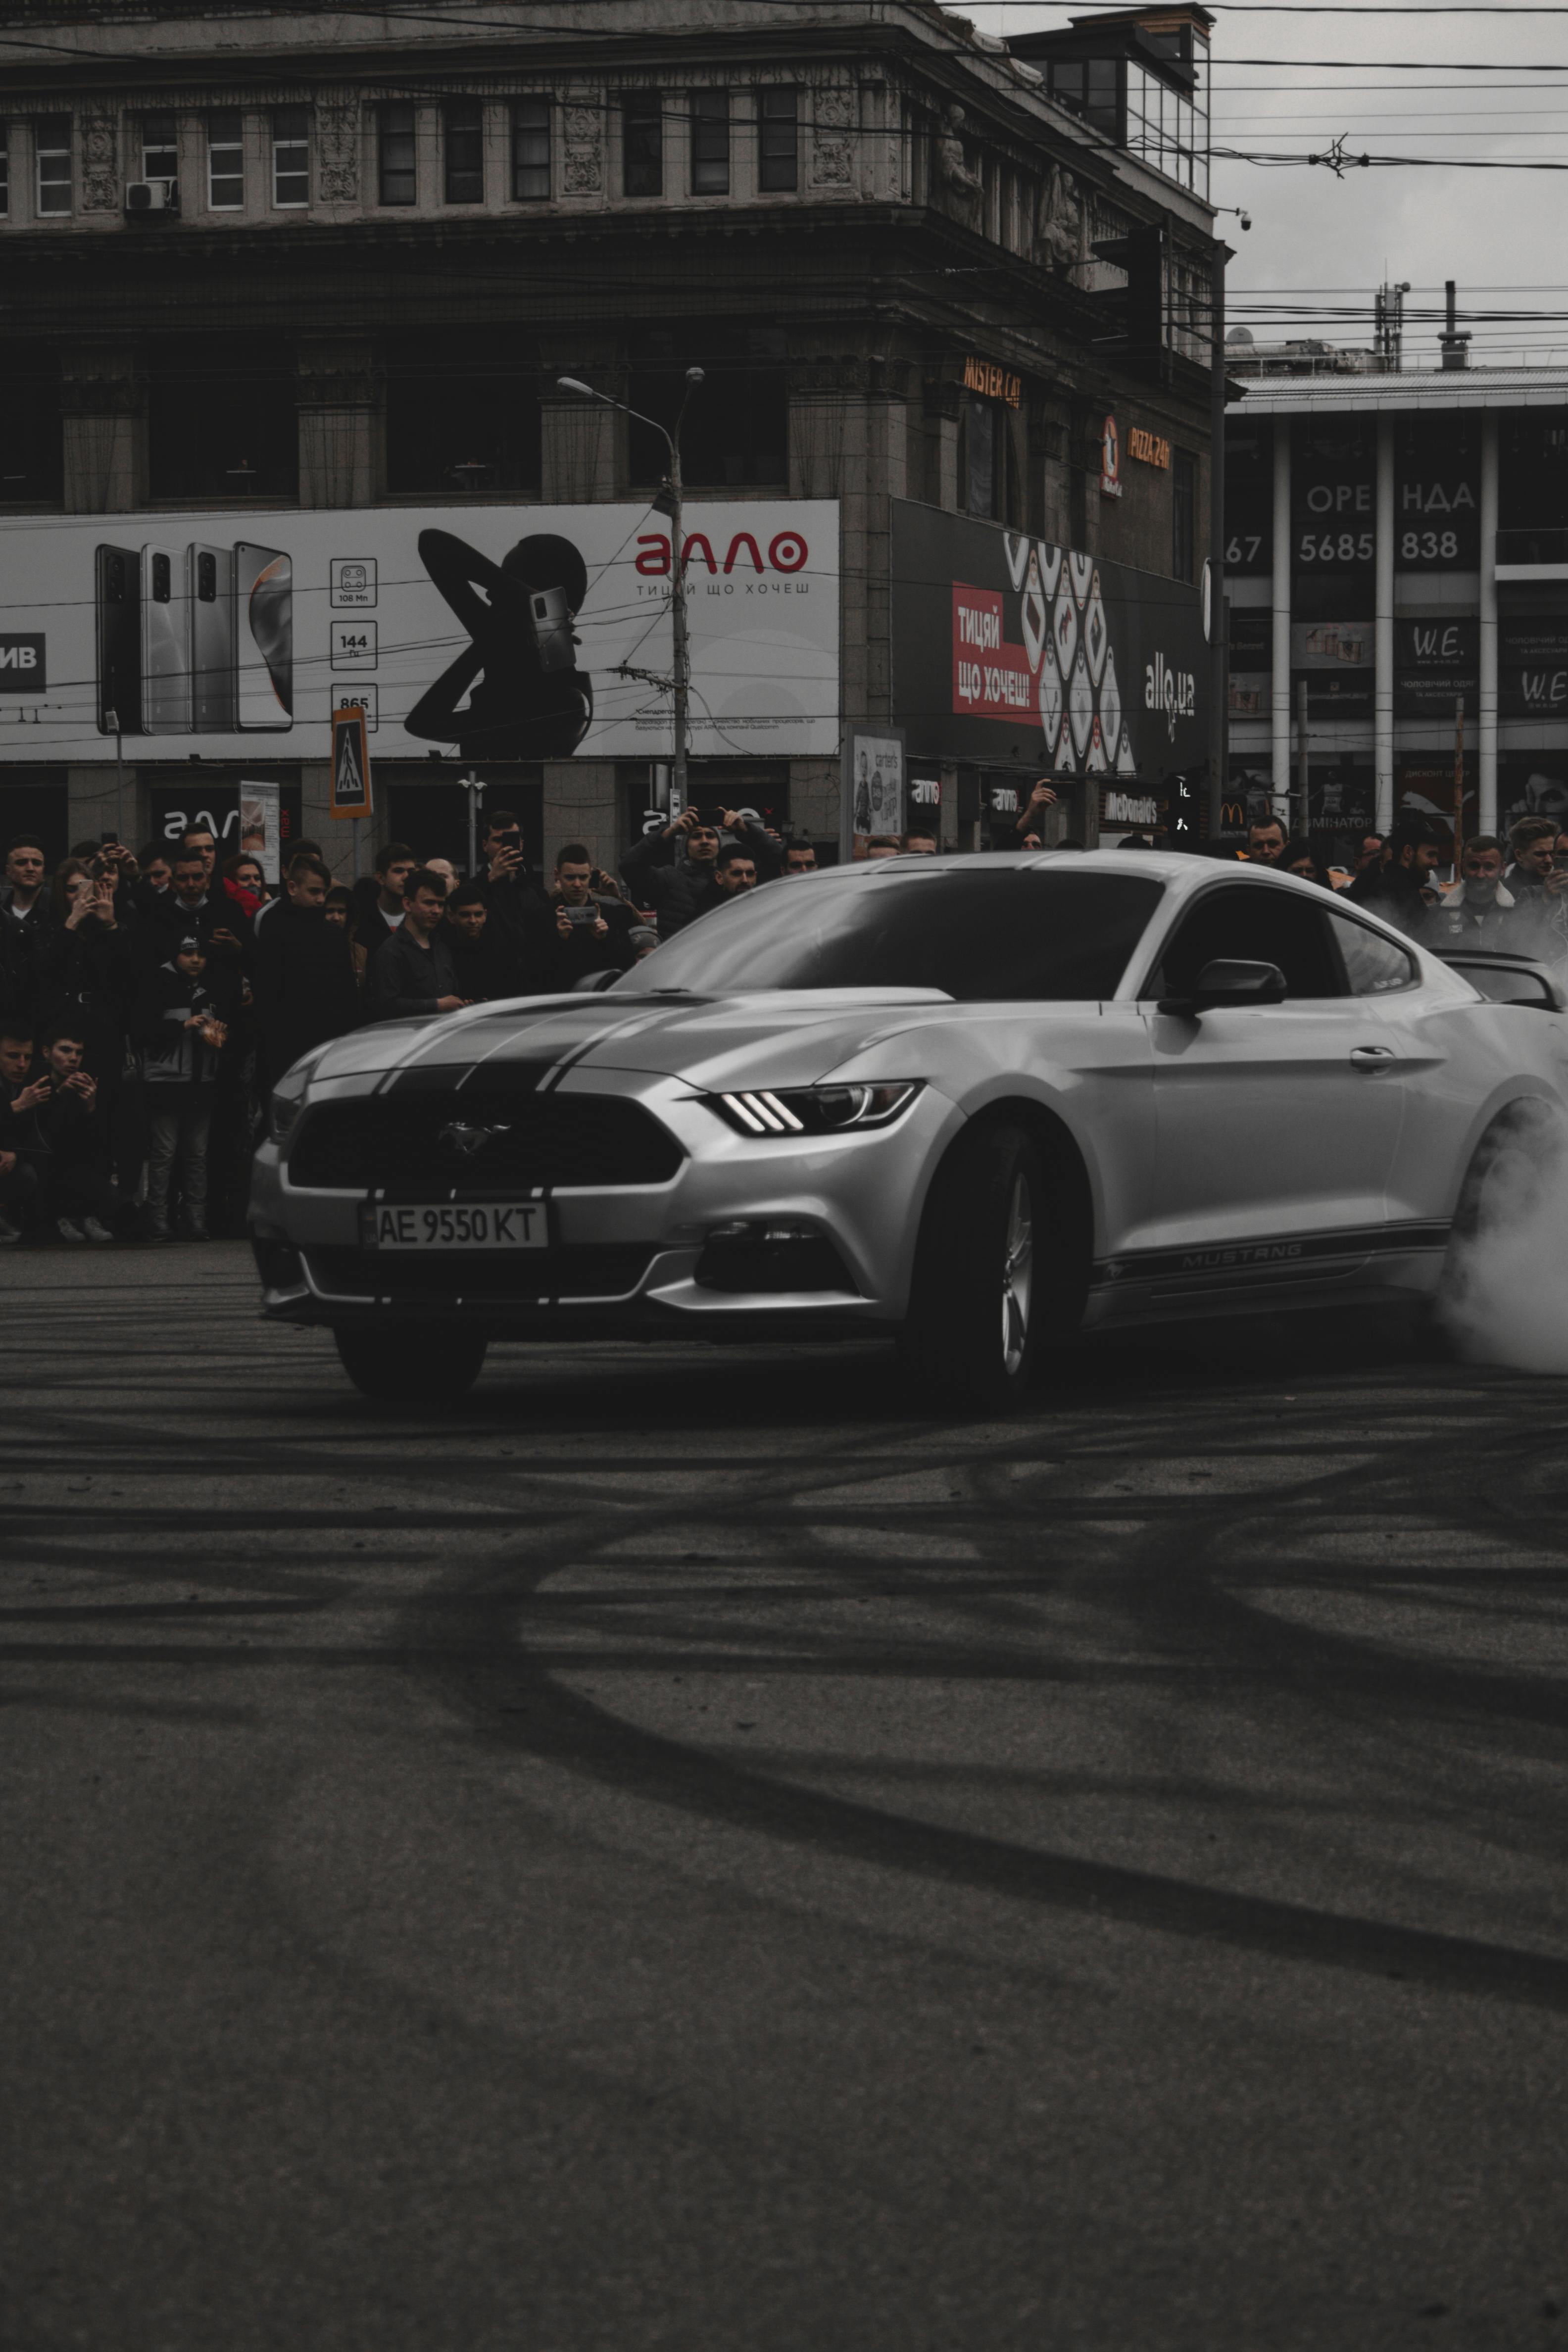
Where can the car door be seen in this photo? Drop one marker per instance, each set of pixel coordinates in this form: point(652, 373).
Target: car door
point(1276, 1125)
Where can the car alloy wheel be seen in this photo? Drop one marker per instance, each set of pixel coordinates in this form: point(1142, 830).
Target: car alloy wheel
point(973, 1326)
point(1017, 1277)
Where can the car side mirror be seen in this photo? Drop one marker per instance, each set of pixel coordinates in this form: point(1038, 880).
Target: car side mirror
point(1228, 981)
point(593, 983)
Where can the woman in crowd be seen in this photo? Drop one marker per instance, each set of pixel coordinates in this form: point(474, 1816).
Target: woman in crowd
point(341, 909)
point(244, 882)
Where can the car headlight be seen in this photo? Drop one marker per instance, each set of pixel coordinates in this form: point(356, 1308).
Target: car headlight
point(288, 1101)
point(816, 1110)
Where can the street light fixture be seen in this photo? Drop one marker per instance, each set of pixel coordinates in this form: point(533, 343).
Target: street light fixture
point(667, 503)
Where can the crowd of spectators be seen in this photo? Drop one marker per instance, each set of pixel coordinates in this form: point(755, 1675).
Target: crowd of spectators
point(148, 1005)
point(1511, 891)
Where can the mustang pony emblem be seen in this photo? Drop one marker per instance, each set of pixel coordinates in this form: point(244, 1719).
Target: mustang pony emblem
point(465, 1140)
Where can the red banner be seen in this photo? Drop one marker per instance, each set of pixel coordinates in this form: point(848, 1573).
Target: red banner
point(990, 679)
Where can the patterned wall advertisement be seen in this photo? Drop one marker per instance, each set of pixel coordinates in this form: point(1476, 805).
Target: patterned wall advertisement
point(1008, 648)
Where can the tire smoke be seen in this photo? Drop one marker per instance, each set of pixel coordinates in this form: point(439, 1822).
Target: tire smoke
point(1506, 1290)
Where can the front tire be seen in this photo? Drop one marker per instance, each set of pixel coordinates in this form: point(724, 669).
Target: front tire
point(993, 1273)
point(421, 1364)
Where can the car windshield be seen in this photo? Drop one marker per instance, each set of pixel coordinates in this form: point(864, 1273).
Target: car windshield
point(978, 933)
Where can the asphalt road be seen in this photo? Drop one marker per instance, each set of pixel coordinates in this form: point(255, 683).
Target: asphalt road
point(693, 1852)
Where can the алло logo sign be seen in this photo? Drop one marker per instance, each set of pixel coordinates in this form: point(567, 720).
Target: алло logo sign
point(22, 665)
point(1176, 692)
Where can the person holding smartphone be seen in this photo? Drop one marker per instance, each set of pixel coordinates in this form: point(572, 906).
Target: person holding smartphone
point(591, 935)
point(520, 910)
point(675, 871)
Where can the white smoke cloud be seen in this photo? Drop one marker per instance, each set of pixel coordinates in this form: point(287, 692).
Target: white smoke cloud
point(1508, 1297)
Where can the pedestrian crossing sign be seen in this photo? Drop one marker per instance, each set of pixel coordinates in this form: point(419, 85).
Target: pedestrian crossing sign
point(351, 764)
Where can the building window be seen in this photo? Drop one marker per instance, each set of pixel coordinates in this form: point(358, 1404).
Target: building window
point(52, 147)
point(396, 157)
point(225, 162)
point(32, 443)
point(642, 132)
point(778, 166)
point(290, 155)
point(463, 417)
point(531, 151)
point(984, 458)
point(710, 143)
point(5, 171)
point(221, 420)
point(463, 151)
point(1088, 86)
point(1183, 513)
point(735, 432)
point(161, 149)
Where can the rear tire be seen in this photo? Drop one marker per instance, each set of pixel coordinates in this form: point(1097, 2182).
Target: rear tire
point(995, 1271)
point(420, 1364)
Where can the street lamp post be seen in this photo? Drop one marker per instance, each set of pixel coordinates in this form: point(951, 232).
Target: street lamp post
point(112, 717)
point(669, 504)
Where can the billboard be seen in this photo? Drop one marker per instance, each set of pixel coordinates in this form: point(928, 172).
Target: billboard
point(1533, 664)
point(490, 632)
point(1010, 648)
point(1532, 784)
point(1436, 664)
point(1336, 660)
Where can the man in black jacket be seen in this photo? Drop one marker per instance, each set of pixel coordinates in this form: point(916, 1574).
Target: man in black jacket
point(411, 972)
point(80, 1202)
point(1393, 889)
point(304, 973)
point(218, 921)
point(674, 871)
point(378, 904)
point(485, 958)
point(24, 918)
point(22, 1146)
point(518, 909)
point(591, 934)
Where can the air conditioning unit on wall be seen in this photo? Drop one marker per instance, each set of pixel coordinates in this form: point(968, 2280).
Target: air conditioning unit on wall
point(152, 196)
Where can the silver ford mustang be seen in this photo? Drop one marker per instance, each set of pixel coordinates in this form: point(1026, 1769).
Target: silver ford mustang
point(976, 1104)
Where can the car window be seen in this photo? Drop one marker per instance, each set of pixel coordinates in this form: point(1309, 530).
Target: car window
point(1252, 923)
point(979, 933)
point(1374, 965)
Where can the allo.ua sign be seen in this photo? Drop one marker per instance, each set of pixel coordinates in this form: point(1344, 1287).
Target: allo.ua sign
point(1047, 656)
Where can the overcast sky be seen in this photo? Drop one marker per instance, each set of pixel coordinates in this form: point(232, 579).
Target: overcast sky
point(1489, 230)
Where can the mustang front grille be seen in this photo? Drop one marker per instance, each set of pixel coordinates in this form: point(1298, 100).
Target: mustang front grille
point(587, 1271)
point(433, 1146)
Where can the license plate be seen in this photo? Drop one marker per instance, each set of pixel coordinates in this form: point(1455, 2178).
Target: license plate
point(477, 1225)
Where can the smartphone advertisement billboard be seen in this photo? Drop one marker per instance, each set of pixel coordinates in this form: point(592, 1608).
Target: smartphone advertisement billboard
point(1006, 647)
point(488, 632)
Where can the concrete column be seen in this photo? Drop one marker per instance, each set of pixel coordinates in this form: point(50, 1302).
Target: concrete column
point(1279, 700)
point(584, 445)
point(339, 400)
point(335, 834)
point(1486, 732)
point(93, 799)
point(848, 440)
point(103, 403)
point(1382, 688)
point(580, 805)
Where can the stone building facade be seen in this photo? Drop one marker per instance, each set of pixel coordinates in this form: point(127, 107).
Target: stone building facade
point(279, 256)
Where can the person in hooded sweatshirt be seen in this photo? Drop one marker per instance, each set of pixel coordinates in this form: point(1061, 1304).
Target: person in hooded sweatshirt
point(182, 1022)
